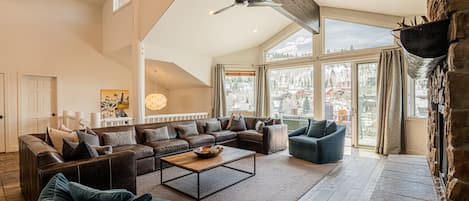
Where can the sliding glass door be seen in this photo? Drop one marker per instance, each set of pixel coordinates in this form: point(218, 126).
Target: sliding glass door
point(338, 95)
point(349, 94)
point(367, 99)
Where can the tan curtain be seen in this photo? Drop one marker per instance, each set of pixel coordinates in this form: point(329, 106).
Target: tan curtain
point(262, 91)
point(219, 103)
point(391, 77)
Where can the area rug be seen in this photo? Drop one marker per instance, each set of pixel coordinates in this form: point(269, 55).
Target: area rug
point(278, 177)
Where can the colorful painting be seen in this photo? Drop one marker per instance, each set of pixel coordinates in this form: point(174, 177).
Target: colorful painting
point(114, 103)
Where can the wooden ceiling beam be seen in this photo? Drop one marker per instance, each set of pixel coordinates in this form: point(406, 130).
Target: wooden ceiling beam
point(303, 12)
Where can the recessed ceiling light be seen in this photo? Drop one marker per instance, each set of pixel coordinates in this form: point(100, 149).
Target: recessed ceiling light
point(254, 31)
point(212, 12)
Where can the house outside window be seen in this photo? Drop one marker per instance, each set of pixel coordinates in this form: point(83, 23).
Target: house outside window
point(292, 95)
point(240, 92)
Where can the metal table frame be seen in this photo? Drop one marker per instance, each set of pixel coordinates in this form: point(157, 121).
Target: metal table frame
point(164, 183)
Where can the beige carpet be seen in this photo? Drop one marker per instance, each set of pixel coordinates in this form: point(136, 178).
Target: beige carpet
point(279, 177)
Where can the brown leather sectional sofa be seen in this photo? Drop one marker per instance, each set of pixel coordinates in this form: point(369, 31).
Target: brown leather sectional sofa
point(39, 161)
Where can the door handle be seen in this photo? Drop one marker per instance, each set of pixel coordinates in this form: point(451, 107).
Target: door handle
point(1, 116)
point(53, 114)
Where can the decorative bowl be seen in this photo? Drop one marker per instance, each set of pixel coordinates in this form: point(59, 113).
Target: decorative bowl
point(208, 151)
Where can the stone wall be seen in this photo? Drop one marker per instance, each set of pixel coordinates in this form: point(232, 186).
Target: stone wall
point(450, 85)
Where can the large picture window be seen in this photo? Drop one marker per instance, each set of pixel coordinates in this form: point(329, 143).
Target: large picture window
point(292, 95)
point(341, 36)
point(300, 44)
point(239, 91)
point(417, 97)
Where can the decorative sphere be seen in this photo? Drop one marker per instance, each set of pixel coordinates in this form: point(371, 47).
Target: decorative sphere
point(155, 101)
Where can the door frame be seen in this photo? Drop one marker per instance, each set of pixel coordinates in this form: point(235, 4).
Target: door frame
point(354, 102)
point(6, 138)
point(20, 90)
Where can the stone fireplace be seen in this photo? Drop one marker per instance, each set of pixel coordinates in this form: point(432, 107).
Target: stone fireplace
point(448, 124)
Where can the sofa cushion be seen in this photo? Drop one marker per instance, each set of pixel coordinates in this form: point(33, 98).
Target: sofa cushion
point(141, 151)
point(303, 142)
point(250, 135)
point(187, 130)
point(213, 126)
point(200, 140)
point(56, 189)
point(317, 129)
point(168, 146)
point(156, 134)
point(223, 135)
point(120, 138)
point(84, 193)
point(238, 124)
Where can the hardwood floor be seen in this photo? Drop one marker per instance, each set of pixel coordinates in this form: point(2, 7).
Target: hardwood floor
point(361, 176)
point(364, 175)
point(9, 178)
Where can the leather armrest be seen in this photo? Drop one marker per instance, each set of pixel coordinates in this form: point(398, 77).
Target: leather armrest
point(275, 138)
point(114, 171)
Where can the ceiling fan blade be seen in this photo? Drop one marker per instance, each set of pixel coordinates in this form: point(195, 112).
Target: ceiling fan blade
point(265, 3)
point(223, 9)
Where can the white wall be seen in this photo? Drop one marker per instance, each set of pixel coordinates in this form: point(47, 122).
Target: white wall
point(416, 136)
point(245, 57)
point(60, 38)
point(191, 100)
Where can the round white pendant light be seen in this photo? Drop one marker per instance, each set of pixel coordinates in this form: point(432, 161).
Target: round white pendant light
point(155, 101)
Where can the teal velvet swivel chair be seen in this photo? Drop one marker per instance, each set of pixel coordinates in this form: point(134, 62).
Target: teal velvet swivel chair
point(327, 149)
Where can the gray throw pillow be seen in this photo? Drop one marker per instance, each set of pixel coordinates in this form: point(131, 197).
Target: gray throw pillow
point(213, 126)
point(331, 127)
point(187, 130)
point(317, 129)
point(152, 135)
point(238, 124)
point(88, 136)
point(119, 138)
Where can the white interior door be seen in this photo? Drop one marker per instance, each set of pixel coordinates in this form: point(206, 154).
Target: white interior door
point(38, 104)
point(2, 114)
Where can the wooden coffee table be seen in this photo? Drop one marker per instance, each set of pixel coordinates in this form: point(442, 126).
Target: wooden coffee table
point(189, 161)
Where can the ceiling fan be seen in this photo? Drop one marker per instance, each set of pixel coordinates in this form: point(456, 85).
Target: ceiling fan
point(249, 3)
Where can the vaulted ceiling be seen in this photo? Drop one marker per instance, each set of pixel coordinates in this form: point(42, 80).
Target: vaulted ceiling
point(188, 26)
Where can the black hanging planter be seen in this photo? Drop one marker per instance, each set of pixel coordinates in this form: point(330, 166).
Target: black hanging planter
point(428, 40)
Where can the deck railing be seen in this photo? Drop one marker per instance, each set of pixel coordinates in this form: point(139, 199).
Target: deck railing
point(77, 120)
point(175, 117)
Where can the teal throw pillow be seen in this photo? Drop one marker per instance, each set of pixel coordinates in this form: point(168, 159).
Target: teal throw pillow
point(56, 189)
point(317, 129)
point(84, 193)
point(331, 127)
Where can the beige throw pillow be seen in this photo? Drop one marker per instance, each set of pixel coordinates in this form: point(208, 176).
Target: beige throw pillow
point(57, 136)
